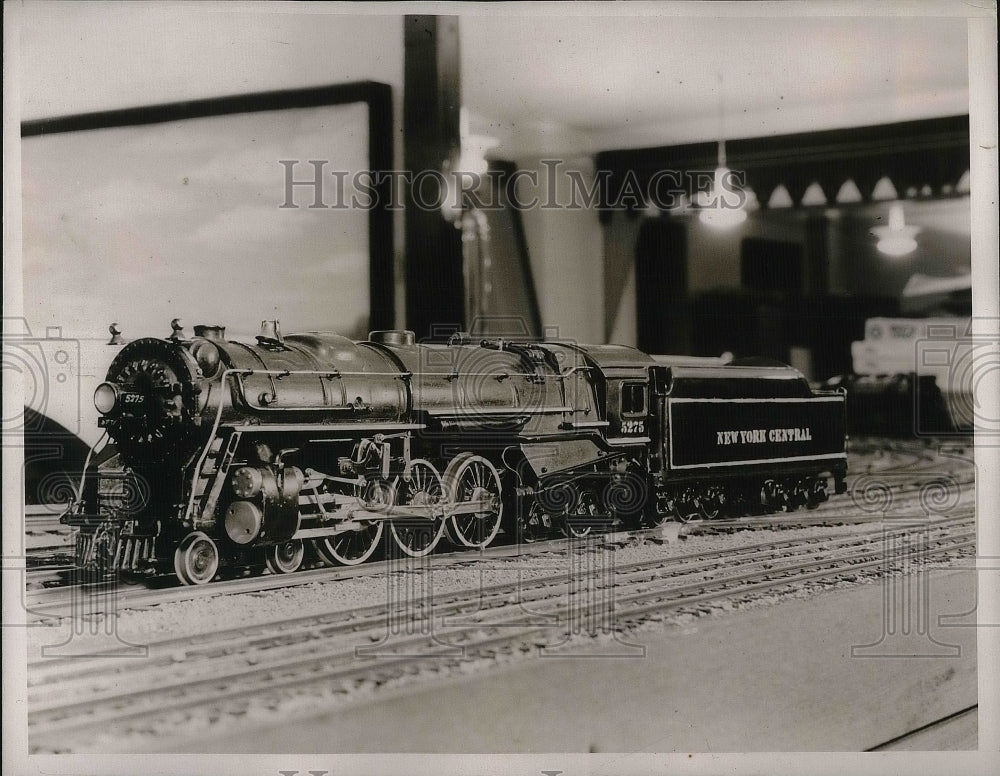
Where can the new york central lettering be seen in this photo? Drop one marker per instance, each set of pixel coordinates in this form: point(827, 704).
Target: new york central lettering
point(753, 436)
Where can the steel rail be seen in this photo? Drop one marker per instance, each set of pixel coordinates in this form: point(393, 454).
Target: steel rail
point(218, 690)
point(57, 603)
point(305, 631)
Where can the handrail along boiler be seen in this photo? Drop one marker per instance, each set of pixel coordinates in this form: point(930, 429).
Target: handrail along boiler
point(229, 455)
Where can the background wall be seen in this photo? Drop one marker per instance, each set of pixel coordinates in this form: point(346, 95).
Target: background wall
point(565, 248)
point(81, 57)
point(78, 57)
point(545, 86)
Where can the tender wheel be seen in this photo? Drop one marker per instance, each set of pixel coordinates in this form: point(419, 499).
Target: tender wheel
point(417, 536)
point(286, 557)
point(659, 518)
point(817, 493)
point(353, 547)
point(771, 496)
point(711, 503)
point(474, 479)
point(798, 495)
point(686, 507)
point(196, 559)
point(663, 514)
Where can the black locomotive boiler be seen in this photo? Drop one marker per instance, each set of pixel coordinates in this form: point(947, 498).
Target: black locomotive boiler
point(228, 455)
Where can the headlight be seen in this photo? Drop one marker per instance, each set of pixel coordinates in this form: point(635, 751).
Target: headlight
point(106, 397)
point(207, 356)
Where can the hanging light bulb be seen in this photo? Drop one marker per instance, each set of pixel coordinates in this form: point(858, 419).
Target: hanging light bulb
point(722, 205)
point(465, 169)
point(896, 239)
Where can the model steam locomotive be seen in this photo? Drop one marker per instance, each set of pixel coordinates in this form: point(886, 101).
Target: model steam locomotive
point(232, 456)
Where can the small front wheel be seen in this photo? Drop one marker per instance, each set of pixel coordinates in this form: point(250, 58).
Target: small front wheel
point(286, 557)
point(196, 559)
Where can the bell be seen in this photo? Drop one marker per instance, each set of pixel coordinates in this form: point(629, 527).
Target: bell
point(270, 332)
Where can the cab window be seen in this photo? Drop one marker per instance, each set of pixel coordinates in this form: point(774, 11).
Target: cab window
point(633, 398)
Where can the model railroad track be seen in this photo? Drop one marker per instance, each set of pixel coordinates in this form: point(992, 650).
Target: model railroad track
point(92, 597)
point(43, 516)
point(46, 574)
point(48, 545)
point(42, 520)
point(47, 567)
point(52, 594)
point(224, 674)
point(876, 454)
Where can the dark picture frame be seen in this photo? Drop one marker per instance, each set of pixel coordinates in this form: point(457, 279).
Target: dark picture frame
point(375, 95)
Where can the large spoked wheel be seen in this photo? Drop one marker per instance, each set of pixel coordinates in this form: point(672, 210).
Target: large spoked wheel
point(350, 547)
point(196, 559)
point(473, 479)
point(286, 557)
point(353, 547)
point(418, 536)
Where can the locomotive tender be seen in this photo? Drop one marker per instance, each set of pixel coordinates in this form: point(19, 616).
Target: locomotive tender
point(229, 455)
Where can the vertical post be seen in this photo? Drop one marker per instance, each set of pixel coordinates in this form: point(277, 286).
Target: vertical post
point(380, 220)
point(661, 283)
point(431, 102)
point(817, 254)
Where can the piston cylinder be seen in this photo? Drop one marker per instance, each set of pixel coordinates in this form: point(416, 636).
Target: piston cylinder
point(243, 522)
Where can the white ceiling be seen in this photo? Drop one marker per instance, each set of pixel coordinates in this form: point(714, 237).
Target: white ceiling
point(541, 81)
point(585, 83)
